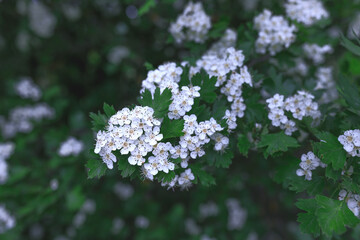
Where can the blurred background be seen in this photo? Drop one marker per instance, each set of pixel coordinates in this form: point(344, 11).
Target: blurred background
point(84, 53)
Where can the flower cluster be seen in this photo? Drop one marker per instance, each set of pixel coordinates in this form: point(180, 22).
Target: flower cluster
point(225, 42)
point(137, 132)
point(352, 200)
point(165, 76)
point(325, 81)
point(6, 220)
point(117, 54)
point(231, 74)
point(351, 142)
point(309, 162)
point(123, 191)
point(275, 33)
point(26, 88)
point(42, 21)
point(21, 118)
point(192, 25)
point(316, 53)
point(237, 215)
point(130, 131)
point(71, 147)
point(300, 105)
point(182, 101)
point(6, 149)
point(208, 210)
point(306, 11)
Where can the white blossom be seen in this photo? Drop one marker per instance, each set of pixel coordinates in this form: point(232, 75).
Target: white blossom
point(192, 25)
point(305, 11)
point(275, 33)
point(71, 147)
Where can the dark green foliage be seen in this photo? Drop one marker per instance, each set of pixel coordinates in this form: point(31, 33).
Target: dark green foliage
point(160, 102)
point(277, 142)
point(172, 128)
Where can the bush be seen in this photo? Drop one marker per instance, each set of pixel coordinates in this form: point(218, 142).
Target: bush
point(123, 118)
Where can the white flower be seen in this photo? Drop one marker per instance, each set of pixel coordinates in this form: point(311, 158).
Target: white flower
point(221, 142)
point(309, 161)
point(108, 158)
point(6, 220)
point(316, 53)
point(192, 25)
point(71, 146)
point(185, 178)
point(305, 11)
point(306, 173)
point(275, 33)
point(26, 88)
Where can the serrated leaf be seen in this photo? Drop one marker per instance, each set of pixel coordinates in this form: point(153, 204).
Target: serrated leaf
point(205, 178)
point(185, 79)
point(165, 177)
point(160, 102)
point(331, 173)
point(207, 85)
point(99, 121)
point(333, 215)
point(109, 110)
point(350, 185)
point(124, 166)
point(330, 150)
point(243, 144)
point(349, 92)
point(219, 108)
point(172, 128)
point(207, 91)
point(219, 159)
point(313, 187)
point(276, 142)
point(96, 168)
point(308, 221)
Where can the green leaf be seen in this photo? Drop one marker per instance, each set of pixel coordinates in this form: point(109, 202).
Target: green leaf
point(207, 85)
point(165, 177)
point(172, 128)
point(160, 102)
point(99, 121)
point(350, 93)
point(219, 28)
point(96, 168)
point(330, 150)
point(219, 108)
point(313, 187)
point(109, 110)
point(205, 178)
point(350, 185)
point(243, 144)
point(207, 91)
point(308, 221)
point(349, 45)
point(148, 66)
point(185, 79)
point(146, 7)
point(331, 173)
point(333, 215)
point(276, 142)
point(220, 159)
point(124, 166)
point(285, 170)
